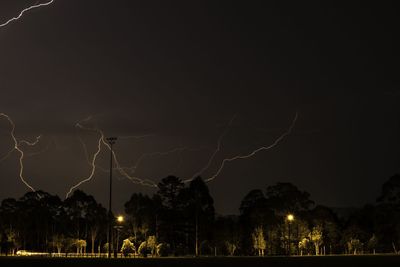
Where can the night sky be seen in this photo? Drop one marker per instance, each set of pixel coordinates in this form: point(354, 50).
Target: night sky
point(179, 71)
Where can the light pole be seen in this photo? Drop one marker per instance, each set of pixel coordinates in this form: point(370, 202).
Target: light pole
point(118, 227)
point(111, 142)
point(290, 219)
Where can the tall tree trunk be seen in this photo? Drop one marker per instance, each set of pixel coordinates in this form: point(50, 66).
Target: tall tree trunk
point(93, 240)
point(99, 248)
point(394, 248)
point(197, 236)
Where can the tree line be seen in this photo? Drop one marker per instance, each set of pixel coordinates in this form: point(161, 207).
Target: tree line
point(179, 219)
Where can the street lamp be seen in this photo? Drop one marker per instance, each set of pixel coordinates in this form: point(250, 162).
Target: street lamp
point(111, 142)
point(120, 219)
point(290, 219)
point(118, 227)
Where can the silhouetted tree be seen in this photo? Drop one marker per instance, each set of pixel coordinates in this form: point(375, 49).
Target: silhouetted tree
point(391, 191)
point(324, 217)
point(227, 234)
point(142, 214)
point(10, 223)
point(184, 217)
point(81, 213)
point(286, 198)
point(198, 211)
point(39, 212)
point(254, 212)
point(171, 219)
point(387, 216)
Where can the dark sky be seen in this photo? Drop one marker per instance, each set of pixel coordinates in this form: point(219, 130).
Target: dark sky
point(180, 70)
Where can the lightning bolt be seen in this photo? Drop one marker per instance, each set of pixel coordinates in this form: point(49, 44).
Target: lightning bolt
point(102, 142)
point(30, 143)
point(217, 149)
point(251, 154)
point(85, 150)
point(84, 146)
point(24, 11)
point(148, 182)
point(20, 143)
point(121, 170)
point(92, 172)
point(19, 150)
point(17, 143)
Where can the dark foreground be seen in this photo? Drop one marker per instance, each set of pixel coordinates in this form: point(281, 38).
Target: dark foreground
point(325, 261)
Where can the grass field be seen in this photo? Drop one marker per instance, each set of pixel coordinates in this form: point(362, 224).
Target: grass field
point(325, 261)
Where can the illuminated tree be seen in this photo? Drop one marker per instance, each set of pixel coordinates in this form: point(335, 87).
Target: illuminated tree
point(302, 234)
point(372, 243)
point(152, 245)
point(58, 242)
point(254, 212)
point(142, 250)
point(354, 246)
point(162, 249)
point(142, 214)
point(328, 220)
point(316, 238)
point(80, 245)
point(12, 240)
point(231, 247)
point(259, 243)
point(304, 245)
point(127, 247)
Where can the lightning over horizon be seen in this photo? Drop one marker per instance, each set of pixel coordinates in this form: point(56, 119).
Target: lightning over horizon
point(215, 152)
point(24, 11)
point(167, 80)
point(92, 171)
point(118, 167)
point(20, 151)
point(123, 170)
point(254, 152)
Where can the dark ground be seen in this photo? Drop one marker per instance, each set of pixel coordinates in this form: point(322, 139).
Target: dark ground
point(326, 261)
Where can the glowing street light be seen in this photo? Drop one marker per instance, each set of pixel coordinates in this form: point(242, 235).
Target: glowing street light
point(120, 219)
point(290, 219)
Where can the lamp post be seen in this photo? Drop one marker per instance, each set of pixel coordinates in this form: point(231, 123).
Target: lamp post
point(118, 227)
point(290, 219)
point(111, 142)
